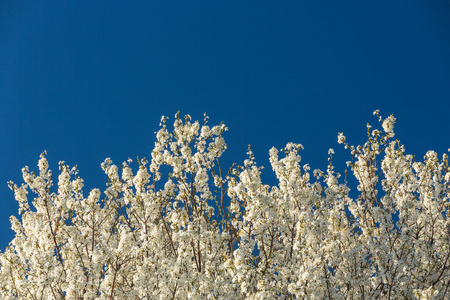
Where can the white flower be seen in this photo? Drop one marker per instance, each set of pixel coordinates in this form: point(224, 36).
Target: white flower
point(341, 138)
point(169, 232)
point(388, 125)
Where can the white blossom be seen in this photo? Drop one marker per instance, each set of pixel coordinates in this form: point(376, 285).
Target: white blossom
point(341, 138)
point(179, 228)
point(388, 125)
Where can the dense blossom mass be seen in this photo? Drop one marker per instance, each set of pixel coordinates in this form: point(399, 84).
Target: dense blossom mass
point(180, 228)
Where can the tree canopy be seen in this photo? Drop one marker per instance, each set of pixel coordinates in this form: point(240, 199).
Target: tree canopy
point(179, 227)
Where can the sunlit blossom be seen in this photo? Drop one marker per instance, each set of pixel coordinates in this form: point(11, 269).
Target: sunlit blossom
point(179, 227)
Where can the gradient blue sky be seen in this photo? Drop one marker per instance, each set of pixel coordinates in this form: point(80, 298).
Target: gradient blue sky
point(86, 80)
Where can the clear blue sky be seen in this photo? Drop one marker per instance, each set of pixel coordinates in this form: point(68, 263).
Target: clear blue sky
point(86, 80)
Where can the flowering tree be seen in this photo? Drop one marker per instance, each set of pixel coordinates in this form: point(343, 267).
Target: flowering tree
point(196, 233)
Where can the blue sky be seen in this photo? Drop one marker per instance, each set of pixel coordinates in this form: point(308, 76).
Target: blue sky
point(86, 80)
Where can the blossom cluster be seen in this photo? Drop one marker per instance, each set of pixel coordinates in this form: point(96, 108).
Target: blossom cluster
point(196, 233)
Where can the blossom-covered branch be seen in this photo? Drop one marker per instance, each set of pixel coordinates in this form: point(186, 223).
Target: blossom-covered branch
point(179, 228)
